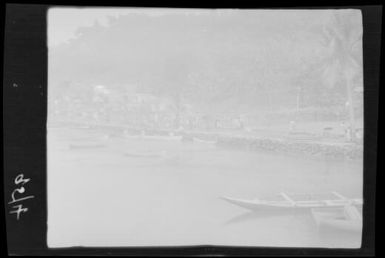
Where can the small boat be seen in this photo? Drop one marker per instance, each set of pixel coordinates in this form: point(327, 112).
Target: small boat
point(289, 202)
point(195, 139)
point(162, 137)
point(347, 218)
point(154, 137)
point(146, 154)
point(88, 138)
point(74, 146)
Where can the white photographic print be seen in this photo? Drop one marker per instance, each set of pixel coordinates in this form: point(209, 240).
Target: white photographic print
point(183, 127)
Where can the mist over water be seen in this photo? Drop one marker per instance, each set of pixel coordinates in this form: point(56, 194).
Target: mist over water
point(112, 199)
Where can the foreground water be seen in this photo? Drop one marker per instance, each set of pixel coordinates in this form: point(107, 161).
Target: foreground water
point(148, 192)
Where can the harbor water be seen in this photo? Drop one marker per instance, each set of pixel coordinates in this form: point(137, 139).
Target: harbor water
point(132, 191)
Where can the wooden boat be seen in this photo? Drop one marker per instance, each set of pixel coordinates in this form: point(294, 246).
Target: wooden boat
point(289, 202)
point(160, 137)
point(154, 137)
point(347, 218)
point(146, 154)
point(195, 139)
point(73, 146)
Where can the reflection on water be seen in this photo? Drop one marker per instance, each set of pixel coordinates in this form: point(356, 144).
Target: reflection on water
point(249, 216)
point(326, 237)
point(136, 192)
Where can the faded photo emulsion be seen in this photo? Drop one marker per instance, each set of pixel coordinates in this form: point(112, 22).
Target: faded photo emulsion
point(182, 127)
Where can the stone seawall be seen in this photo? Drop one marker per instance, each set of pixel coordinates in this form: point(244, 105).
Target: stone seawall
point(308, 148)
point(291, 146)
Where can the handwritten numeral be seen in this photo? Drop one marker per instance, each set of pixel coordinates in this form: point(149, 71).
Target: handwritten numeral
point(18, 209)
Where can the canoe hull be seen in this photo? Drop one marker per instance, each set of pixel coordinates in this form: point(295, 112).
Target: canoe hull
point(335, 219)
point(283, 205)
point(341, 225)
point(257, 206)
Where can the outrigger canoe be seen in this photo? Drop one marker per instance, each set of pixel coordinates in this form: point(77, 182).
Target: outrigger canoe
point(348, 218)
point(288, 202)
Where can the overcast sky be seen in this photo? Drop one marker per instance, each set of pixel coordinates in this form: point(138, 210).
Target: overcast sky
point(63, 22)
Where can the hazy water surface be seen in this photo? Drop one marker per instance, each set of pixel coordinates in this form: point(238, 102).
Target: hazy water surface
point(135, 192)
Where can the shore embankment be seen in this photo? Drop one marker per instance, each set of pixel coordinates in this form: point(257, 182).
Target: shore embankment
point(316, 147)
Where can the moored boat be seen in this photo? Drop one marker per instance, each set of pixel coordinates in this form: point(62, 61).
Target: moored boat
point(161, 137)
point(146, 154)
point(293, 202)
point(154, 137)
point(347, 218)
point(196, 139)
point(74, 146)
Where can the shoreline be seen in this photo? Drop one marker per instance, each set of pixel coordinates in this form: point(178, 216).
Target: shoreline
point(286, 144)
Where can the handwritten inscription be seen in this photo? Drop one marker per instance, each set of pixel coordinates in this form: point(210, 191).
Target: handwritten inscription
point(18, 196)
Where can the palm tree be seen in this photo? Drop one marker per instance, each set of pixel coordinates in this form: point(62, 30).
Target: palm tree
point(342, 36)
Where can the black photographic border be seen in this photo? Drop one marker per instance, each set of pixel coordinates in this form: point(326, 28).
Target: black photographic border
point(24, 135)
